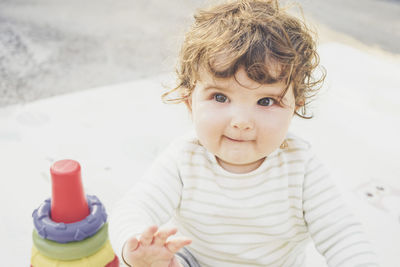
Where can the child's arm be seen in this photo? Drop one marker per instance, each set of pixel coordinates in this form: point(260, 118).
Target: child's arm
point(335, 231)
point(153, 249)
point(152, 201)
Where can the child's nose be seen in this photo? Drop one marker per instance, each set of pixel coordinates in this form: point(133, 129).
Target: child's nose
point(242, 121)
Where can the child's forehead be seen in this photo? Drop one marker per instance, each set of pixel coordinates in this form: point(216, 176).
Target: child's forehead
point(207, 79)
point(220, 67)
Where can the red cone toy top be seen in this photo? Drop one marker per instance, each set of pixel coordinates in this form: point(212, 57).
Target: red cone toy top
point(68, 202)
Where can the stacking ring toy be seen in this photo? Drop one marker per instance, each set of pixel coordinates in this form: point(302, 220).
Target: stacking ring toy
point(69, 232)
point(104, 256)
point(72, 250)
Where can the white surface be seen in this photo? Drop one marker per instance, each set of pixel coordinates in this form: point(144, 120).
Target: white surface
point(115, 132)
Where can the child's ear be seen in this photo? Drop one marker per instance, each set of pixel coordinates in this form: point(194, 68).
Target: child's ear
point(299, 105)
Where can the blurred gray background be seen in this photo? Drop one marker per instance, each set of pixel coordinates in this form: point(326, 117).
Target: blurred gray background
point(51, 47)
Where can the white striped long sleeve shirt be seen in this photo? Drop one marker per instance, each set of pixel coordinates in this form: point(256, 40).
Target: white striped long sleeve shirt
point(262, 218)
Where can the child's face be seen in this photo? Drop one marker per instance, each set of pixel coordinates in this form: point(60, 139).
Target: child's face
point(240, 122)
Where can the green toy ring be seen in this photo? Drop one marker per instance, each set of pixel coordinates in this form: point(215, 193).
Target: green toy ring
point(71, 250)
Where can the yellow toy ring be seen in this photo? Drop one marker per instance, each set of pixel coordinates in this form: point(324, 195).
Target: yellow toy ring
point(101, 258)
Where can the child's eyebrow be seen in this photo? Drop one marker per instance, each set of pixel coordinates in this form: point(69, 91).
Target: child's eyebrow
point(214, 86)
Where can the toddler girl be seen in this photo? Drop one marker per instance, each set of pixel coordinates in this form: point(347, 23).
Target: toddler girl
point(241, 190)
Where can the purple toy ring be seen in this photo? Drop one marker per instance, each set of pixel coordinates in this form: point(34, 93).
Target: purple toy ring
point(69, 232)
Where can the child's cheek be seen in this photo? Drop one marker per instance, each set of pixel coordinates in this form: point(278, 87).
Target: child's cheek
point(276, 120)
point(210, 115)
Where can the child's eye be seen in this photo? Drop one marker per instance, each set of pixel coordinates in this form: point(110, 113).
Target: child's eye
point(266, 101)
point(220, 98)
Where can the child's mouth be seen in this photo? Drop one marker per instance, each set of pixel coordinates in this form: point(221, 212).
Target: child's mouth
point(235, 140)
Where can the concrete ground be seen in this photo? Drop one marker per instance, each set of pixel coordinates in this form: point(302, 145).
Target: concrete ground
point(54, 47)
point(375, 23)
point(115, 132)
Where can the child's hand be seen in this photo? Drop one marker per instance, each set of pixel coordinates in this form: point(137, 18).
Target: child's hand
point(153, 249)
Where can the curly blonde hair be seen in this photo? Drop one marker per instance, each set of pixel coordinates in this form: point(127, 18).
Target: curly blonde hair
point(272, 46)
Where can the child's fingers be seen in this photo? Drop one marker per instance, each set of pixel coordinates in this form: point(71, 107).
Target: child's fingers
point(176, 244)
point(131, 244)
point(161, 236)
point(147, 237)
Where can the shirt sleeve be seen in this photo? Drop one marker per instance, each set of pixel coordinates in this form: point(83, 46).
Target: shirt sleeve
point(337, 235)
point(151, 201)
